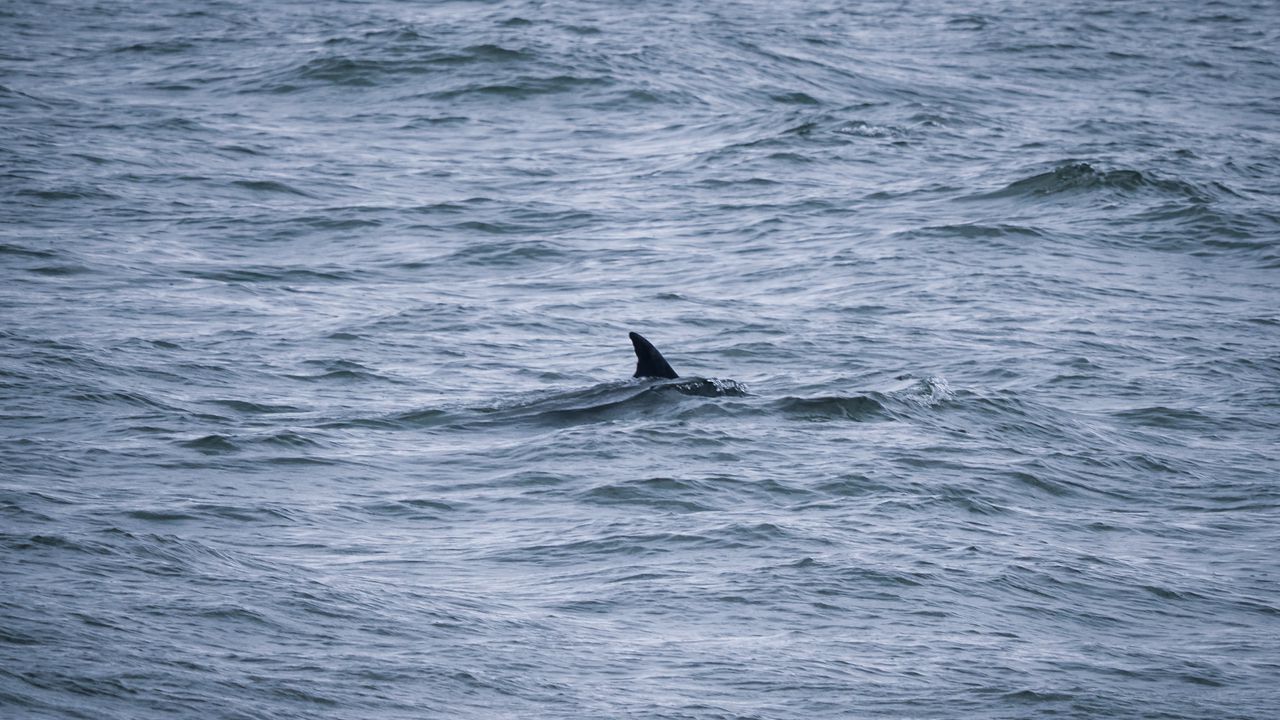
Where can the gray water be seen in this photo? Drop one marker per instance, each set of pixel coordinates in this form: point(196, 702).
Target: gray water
point(316, 387)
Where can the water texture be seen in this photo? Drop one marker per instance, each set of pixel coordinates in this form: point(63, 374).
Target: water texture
point(315, 381)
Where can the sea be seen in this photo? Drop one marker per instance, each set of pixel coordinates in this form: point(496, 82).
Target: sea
point(316, 394)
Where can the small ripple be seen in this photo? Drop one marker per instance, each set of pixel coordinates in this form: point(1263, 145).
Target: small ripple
point(521, 252)
point(270, 186)
point(243, 514)
point(572, 551)
point(415, 58)
point(159, 515)
point(56, 542)
point(18, 250)
point(211, 444)
point(1160, 416)
point(925, 392)
point(658, 493)
point(341, 376)
point(412, 508)
point(135, 399)
point(67, 193)
point(524, 87)
point(288, 439)
point(975, 230)
point(221, 444)
point(341, 371)
point(252, 408)
point(864, 129)
point(266, 274)
point(1037, 482)
point(60, 270)
point(601, 403)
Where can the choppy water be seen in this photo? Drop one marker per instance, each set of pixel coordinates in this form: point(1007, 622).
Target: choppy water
point(315, 370)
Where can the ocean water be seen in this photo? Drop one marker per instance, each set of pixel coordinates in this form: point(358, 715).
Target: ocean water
point(315, 380)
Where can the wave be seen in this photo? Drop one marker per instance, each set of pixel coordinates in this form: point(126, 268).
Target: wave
point(525, 86)
point(1159, 416)
point(252, 408)
point(673, 400)
point(859, 408)
point(223, 443)
point(341, 371)
point(661, 493)
point(404, 57)
point(976, 231)
point(719, 537)
point(715, 492)
point(269, 186)
point(870, 406)
point(269, 274)
point(1074, 177)
point(516, 252)
point(679, 400)
point(20, 251)
point(601, 403)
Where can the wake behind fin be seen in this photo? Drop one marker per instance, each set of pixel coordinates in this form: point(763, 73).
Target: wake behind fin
point(649, 362)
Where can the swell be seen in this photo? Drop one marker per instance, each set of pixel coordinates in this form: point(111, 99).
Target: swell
point(1156, 207)
point(685, 399)
point(602, 403)
point(1082, 177)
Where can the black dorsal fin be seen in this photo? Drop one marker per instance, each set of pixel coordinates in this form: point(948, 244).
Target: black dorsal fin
point(649, 362)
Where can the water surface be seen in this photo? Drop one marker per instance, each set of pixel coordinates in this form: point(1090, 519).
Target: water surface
point(314, 370)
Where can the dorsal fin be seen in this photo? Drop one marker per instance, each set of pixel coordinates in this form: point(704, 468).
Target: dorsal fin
point(649, 362)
